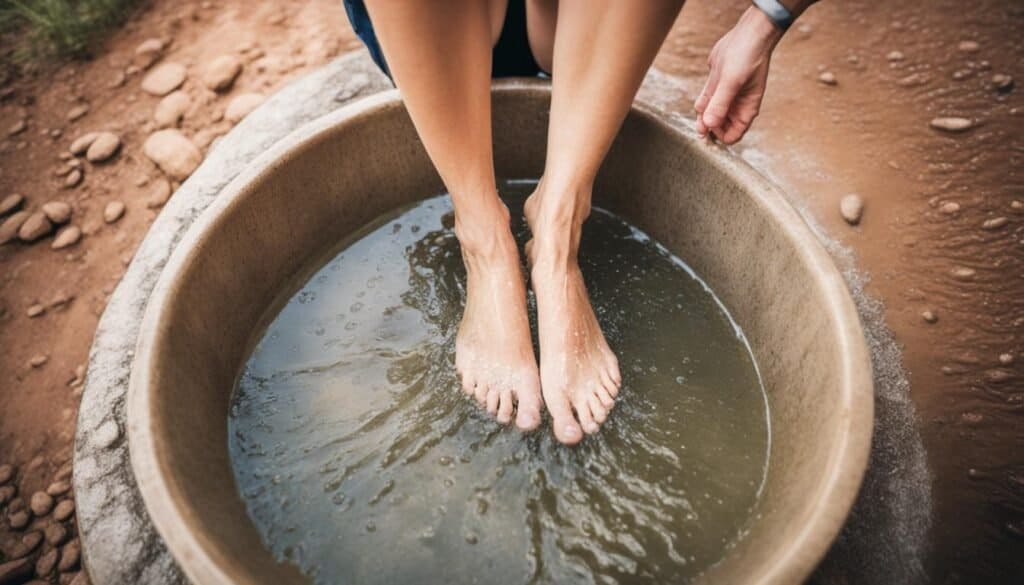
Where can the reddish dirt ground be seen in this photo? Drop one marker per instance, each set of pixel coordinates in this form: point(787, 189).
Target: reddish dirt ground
point(868, 134)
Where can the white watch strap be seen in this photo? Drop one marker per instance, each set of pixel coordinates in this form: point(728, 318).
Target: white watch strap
point(778, 13)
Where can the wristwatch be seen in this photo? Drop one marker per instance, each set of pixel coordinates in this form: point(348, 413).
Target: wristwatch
point(776, 12)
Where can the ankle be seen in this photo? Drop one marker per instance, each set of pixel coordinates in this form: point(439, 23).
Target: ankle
point(553, 257)
point(558, 207)
point(485, 234)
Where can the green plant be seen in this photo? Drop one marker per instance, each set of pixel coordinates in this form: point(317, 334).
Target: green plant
point(59, 27)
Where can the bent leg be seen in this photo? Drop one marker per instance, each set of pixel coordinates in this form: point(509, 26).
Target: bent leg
point(602, 50)
point(439, 54)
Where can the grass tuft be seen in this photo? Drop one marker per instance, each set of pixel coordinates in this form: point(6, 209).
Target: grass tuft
point(61, 28)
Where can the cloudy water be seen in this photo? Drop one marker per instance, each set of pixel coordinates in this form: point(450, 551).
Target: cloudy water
point(361, 460)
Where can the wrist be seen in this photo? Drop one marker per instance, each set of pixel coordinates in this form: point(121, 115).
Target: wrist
point(756, 23)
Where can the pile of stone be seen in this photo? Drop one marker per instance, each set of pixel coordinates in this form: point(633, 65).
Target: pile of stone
point(166, 145)
point(45, 545)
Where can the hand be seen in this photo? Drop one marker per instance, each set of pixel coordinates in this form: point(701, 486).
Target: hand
point(738, 75)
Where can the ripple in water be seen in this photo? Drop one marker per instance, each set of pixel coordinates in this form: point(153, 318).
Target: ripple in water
point(361, 461)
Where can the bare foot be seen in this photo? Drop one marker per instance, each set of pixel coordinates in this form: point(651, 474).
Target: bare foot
point(578, 371)
point(493, 352)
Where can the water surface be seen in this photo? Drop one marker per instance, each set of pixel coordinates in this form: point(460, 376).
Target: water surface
point(361, 461)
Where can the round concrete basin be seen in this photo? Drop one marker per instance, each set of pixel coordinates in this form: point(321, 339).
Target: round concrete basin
point(252, 247)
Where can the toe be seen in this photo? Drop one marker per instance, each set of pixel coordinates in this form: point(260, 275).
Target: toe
point(480, 392)
point(586, 417)
point(605, 397)
point(597, 409)
point(505, 406)
point(566, 429)
point(612, 368)
point(528, 407)
point(493, 397)
point(609, 384)
point(468, 385)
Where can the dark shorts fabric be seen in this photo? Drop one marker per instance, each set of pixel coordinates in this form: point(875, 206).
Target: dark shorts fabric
point(512, 55)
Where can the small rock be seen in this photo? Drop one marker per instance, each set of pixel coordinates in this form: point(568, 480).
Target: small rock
point(36, 226)
point(1006, 358)
point(1017, 204)
point(963, 273)
point(159, 193)
point(148, 52)
point(6, 473)
point(41, 503)
point(56, 534)
point(10, 226)
point(929, 316)
point(353, 86)
point(17, 127)
point(82, 143)
point(18, 520)
point(851, 207)
point(107, 435)
point(952, 124)
point(70, 555)
point(969, 46)
point(77, 112)
point(7, 492)
point(113, 211)
point(35, 311)
point(241, 105)
point(17, 571)
point(57, 211)
point(11, 203)
point(46, 563)
point(73, 179)
point(994, 223)
point(171, 109)
point(104, 146)
point(173, 153)
point(221, 72)
point(949, 207)
point(895, 56)
point(996, 375)
point(81, 578)
point(164, 79)
point(1002, 82)
point(58, 488)
point(914, 80)
point(64, 510)
point(117, 79)
point(67, 236)
point(828, 78)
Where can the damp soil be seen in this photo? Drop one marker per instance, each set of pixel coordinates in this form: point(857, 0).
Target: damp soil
point(361, 460)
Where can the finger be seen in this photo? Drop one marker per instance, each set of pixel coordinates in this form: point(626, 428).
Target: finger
point(705, 94)
point(718, 107)
point(734, 130)
point(702, 100)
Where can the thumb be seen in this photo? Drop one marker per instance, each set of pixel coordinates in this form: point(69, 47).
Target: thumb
point(718, 107)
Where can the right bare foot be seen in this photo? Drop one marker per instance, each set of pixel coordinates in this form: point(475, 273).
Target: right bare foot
point(493, 351)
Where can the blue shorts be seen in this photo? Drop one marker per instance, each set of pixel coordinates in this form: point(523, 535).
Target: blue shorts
point(511, 56)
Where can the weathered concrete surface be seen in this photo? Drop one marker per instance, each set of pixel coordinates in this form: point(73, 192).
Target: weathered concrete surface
point(882, 542)
point(119, 543)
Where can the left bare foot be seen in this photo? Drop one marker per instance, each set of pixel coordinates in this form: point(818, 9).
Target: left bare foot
point(579, 373)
